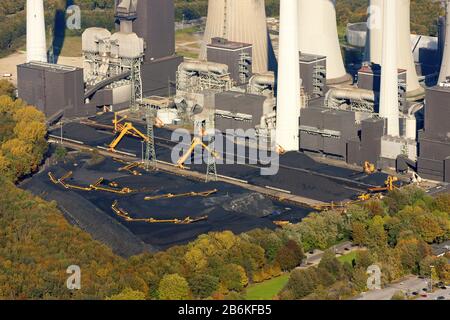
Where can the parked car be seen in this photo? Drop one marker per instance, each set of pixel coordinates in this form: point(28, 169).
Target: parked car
point(440, 298)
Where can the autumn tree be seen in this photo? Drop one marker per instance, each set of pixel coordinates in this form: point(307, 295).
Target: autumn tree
point(173, 287)
point(290, 256)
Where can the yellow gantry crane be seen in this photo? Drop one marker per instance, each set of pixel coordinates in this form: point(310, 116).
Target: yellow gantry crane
point(127, 217)
point(126, 128)
point(195, 142)
point(187, 194)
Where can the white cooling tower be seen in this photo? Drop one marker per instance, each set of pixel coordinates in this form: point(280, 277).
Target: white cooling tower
point(240, 21)
point(288, 100)
point(405, 56)
point(36, 42)
point(445, 67)
point(389, 72)
point(318, 35)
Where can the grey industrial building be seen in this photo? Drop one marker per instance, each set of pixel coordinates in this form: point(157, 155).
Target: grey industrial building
point(236, 55)
point(57, 89)
point(235, 110)
point(434, 140)
point(155, 23)
point(327, 131)
point(313, 72)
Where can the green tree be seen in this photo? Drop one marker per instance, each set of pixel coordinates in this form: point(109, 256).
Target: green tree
point(128, 294)
point(203, 285)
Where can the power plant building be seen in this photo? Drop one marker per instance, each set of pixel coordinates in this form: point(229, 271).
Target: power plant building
point(237, 56)
point(53, 89)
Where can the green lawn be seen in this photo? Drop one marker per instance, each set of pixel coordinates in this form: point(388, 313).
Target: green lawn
point(348, 257)
point(268, 289)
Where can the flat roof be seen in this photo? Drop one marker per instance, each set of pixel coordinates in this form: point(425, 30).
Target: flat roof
point(307, 57)
point(226, 44)
point(58, 68)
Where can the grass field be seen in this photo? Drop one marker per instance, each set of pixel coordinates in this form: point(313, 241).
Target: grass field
point(268, 289)
point(348, 257)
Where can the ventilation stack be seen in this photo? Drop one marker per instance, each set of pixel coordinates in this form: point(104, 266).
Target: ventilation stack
point(318, 35)
point(405, 58)
point(389, 72)
point(445, 67)
point(240, 21)
point(288, 100)
point(36, 42)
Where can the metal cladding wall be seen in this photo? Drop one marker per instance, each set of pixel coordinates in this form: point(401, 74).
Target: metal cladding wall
point(371, 132)
point(320, 119)
point(159, 76)
point(405, 57)
point(156, 24)
point(437, 112)
point(434, 140)
point(240, 21)
point(53, 89)
point(307, 64)
point(236, 102)
point(318, 35)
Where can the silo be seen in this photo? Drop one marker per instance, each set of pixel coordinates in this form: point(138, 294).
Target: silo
point(241, 21)
point(405, 58)
point(318, 35)
point(36, 40)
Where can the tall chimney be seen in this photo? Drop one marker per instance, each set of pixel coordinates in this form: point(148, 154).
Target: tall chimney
point(389, 71)
point(404, 54)
point(288, 100)
point(445, 66)
point(318, 35)
point(36, 42)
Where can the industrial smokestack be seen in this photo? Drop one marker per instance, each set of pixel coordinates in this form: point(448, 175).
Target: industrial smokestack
point(36, 42)
point(240, 21)
point(445, 67)
point(318, 35)
point(288, 100)
point(389, 72)
point(405, 59)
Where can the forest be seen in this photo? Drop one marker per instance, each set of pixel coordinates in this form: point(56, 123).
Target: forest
point(99, 13)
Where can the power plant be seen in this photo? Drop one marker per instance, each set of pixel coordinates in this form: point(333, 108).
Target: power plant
point(385, 111)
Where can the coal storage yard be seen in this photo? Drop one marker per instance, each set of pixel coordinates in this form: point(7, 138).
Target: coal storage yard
point(117, 219)
point(298, 174)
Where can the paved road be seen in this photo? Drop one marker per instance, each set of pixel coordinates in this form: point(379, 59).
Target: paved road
point(313, 259)
point(408, 285)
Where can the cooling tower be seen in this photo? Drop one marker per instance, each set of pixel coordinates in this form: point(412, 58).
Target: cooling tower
point(288, 99)
point(445, 67)
point(318, 35)
point(389, 72)
point(240, 21)
point(405, 57)
point(36, 42)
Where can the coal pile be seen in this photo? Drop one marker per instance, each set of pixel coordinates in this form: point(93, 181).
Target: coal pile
point(231, 208)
